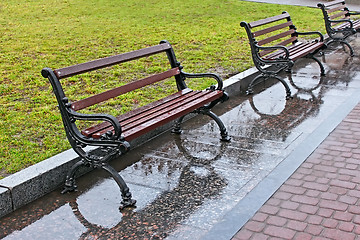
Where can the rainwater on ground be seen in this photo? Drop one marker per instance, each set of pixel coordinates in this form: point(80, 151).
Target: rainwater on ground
point(184, 184)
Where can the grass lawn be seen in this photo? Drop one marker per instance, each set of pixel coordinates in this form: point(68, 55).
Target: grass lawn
point(206, 36)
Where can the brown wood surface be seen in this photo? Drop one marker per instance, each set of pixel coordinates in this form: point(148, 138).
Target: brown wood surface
point(336, 8)
point(268, 20)
point(296, 51)
point(272, 29)
point(276, 37)
point(332, 3)
point(109, 61)
point(91, 130)
point(138, 122)
point(95, 99)
point(339, 14)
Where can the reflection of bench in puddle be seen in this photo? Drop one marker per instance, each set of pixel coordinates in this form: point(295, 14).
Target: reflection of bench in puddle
point(283, 116)
point(197, 182)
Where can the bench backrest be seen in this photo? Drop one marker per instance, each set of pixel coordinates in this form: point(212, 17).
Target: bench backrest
point(334, 10)
point(164, 46)
point(276, 30)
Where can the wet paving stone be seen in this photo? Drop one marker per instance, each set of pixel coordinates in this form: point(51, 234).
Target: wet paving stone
point(185, 184)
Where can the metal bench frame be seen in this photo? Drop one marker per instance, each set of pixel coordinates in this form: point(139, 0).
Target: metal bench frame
point(114, 134)
point(338, 24)
point(271, 58)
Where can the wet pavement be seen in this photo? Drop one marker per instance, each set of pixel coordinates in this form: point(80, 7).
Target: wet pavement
point(189, 186)
point(353, 5)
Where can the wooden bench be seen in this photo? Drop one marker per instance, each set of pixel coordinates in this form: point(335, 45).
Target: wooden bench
point(113, 134)
point(275, 47)
point(338, 22)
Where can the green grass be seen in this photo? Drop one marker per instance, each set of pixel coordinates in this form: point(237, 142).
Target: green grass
point(206, 37)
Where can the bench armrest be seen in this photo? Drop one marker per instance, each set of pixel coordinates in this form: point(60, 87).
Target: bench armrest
point(354, 13)
point(277, 47)
point(312, 33)
point(342, 20)
point(99, 117)
point(210, 75)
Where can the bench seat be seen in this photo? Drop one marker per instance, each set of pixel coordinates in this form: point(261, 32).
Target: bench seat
point(297, 50)
point(144, 119)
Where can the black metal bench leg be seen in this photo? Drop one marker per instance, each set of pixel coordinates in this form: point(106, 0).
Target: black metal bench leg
point(127, 201)
point(177, 127)
point(322, 69)
point(344, 43)
point(250, 87)
point(70, 184)
point(223, 132)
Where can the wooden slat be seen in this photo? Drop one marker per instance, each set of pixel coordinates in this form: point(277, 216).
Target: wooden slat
point(150, 106)
point(310, 48)
point(95, 99)
point(177, 102)
point(332, 3)
point(88, 132)
point(160, 110)
point(275, 37)
point(297, 51)
point(337, 8)
point(272, 29)
point(283, 43)
point(268, 20)
point(356, 25)
point(300, 48)
point(339, 14)
point(109, 61)
point(172, 115)
point(279, 53)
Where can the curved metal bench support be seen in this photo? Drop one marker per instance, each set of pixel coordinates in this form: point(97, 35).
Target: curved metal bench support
point(223, 132)
point(253, 83)
point(322, 69)
point(343, 42)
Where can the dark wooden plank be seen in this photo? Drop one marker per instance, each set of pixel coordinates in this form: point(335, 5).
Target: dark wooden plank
point(332, 3)
point(275, 37)
point(356, 24)
point(337, 8)
point(154, 104)
point(169, 116)
point(283, 43)
point(272, 29)
point(300, 48)
point(89, 131)
point(109, 61)
point(176, 103)
point(148, 117)
point(278, 53)
point(309, 49)
point(339, 14)
point(268, 20)
point(95, 99)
